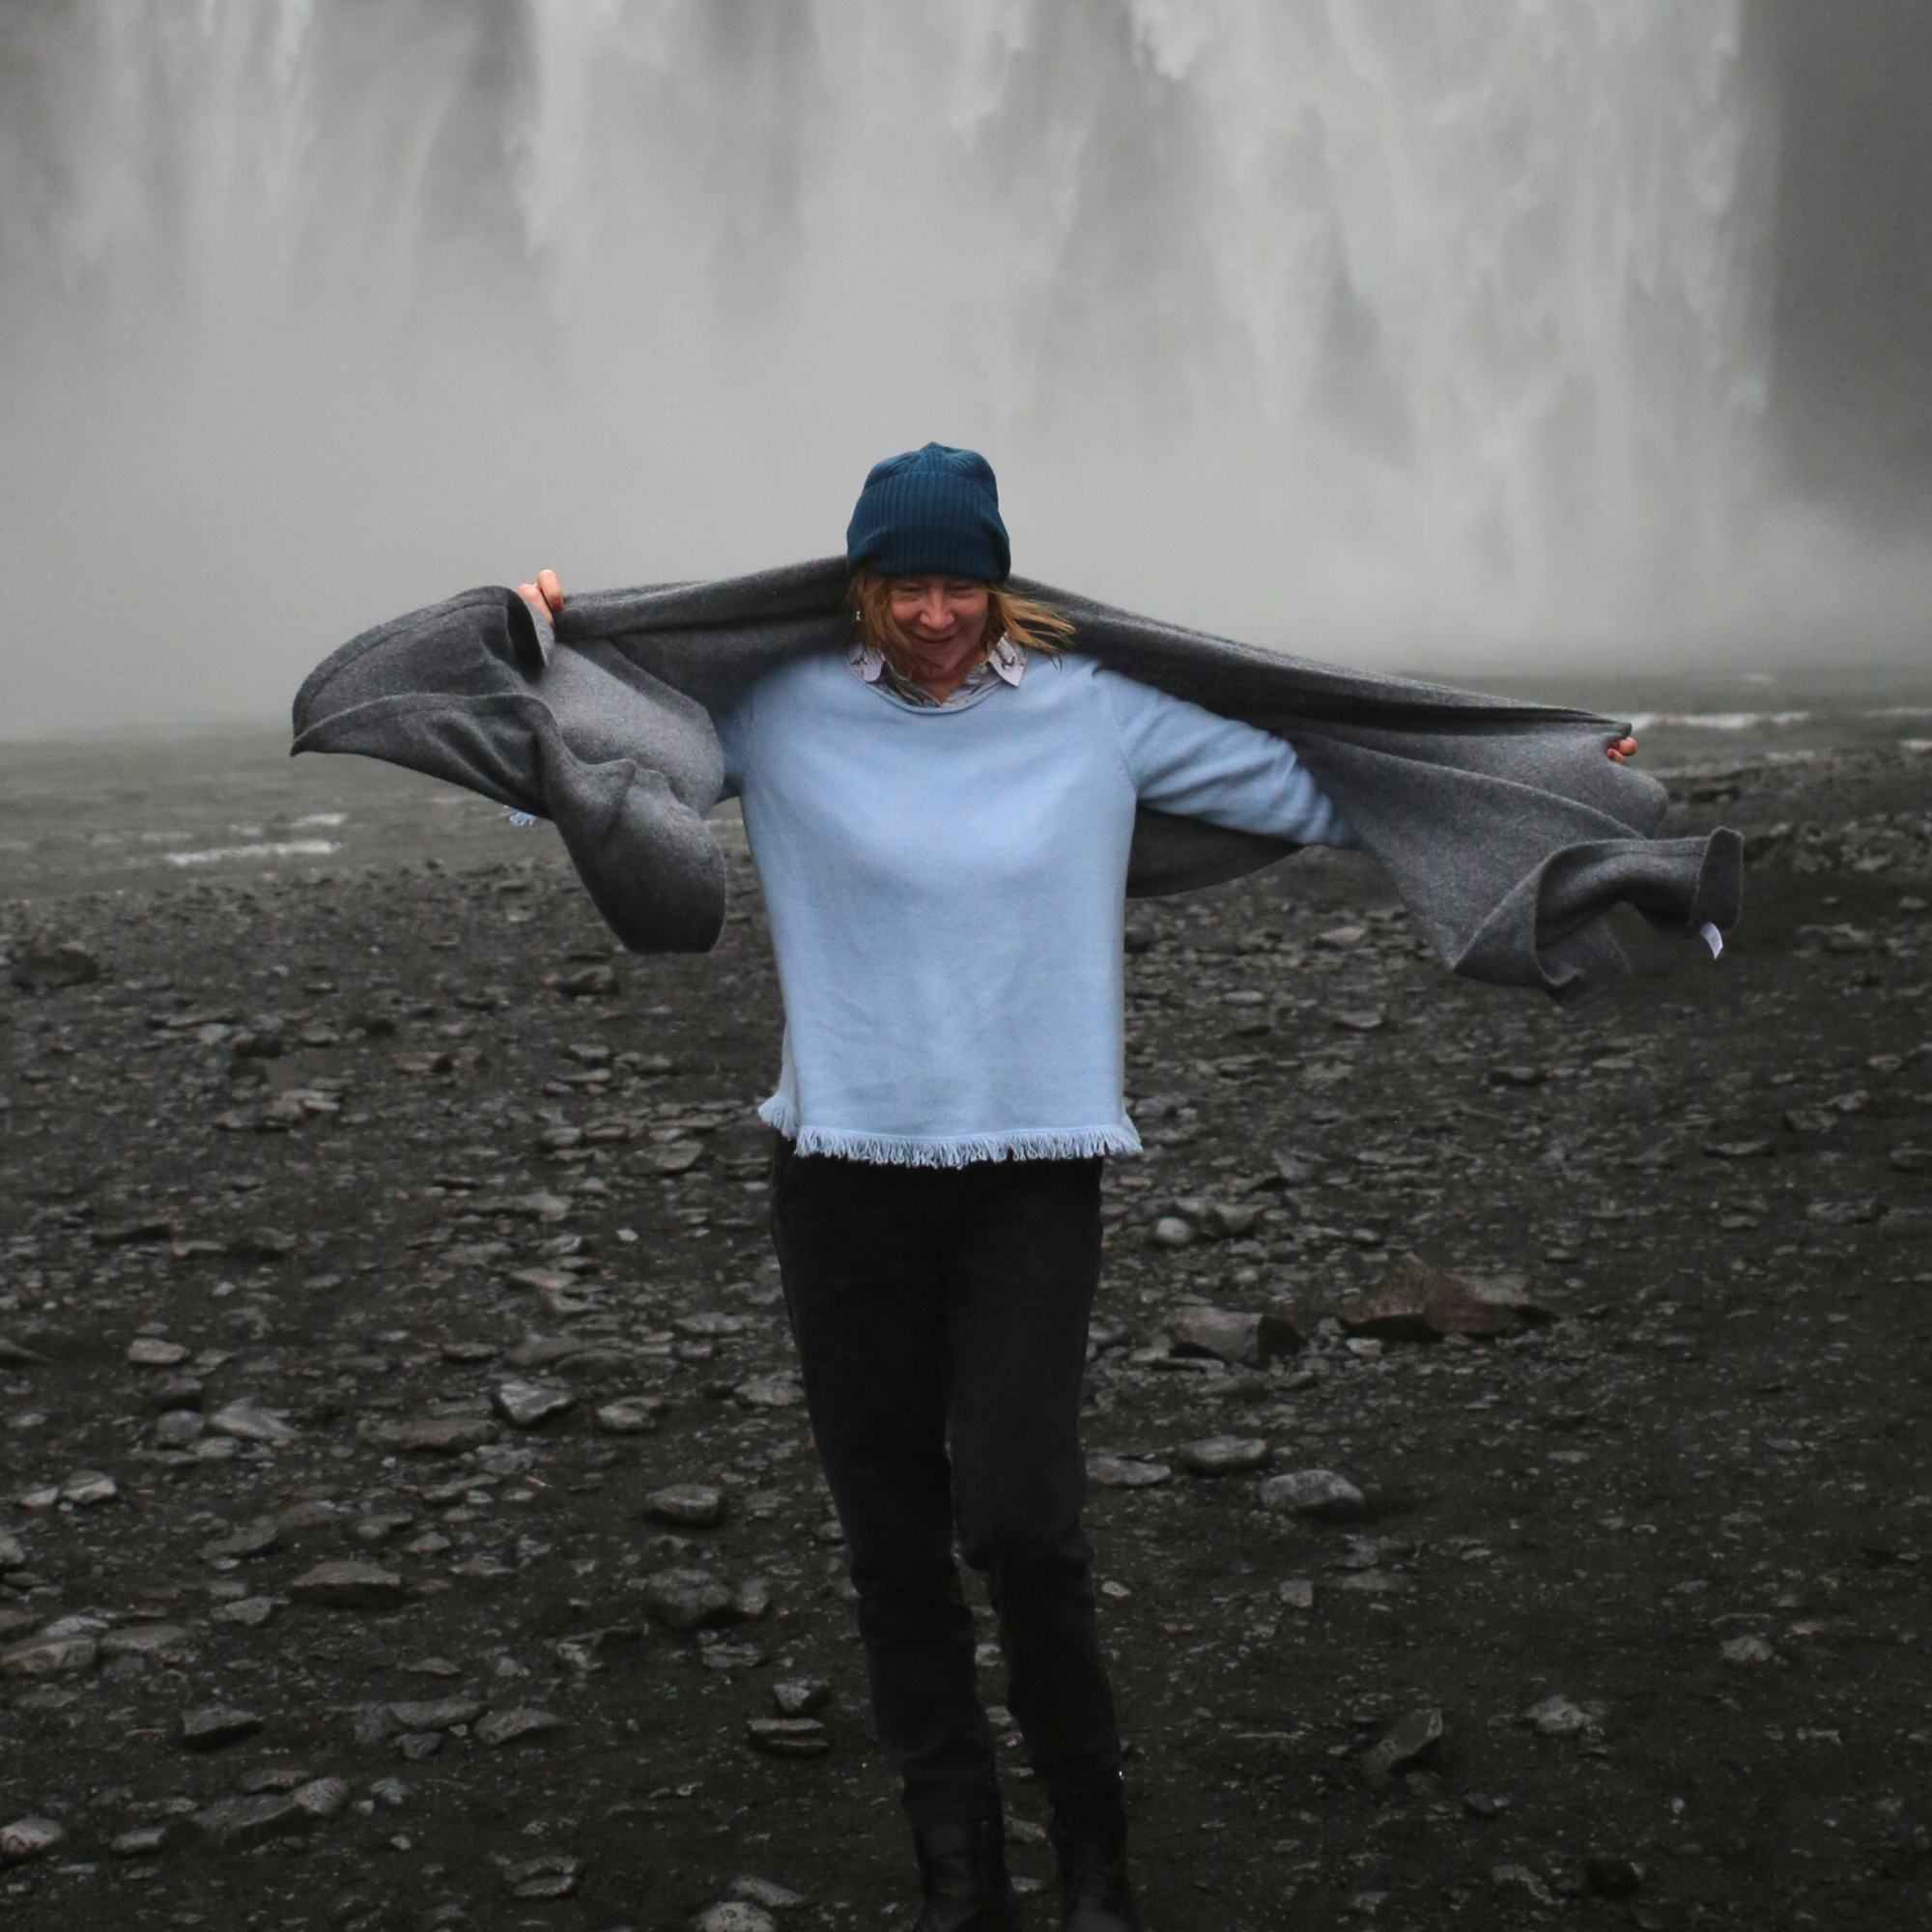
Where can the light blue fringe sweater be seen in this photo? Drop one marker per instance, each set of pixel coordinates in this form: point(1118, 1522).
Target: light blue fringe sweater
point(946, 886)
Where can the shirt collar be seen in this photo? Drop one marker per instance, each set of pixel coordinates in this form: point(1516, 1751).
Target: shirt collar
point(1005, 660)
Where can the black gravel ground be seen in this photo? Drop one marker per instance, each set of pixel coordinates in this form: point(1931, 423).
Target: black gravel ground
point(402, 1184)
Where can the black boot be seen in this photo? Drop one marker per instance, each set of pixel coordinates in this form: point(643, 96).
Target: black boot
point(1090, 1837)
point(962, 1871)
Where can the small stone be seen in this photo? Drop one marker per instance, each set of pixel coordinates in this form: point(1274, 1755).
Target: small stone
point(273, 1777)
point(171, 1392)
point(762, 1891)
point(151, 1351)
point(246, 1422)
point(250, 1613)
point(800, 1696)
point(321, 1797)
point(436, 1436)
point(253, 1539)
point(1407, 1742)
point(780, 1391)
point(1316, 1492)
point(416, 1745)
point(1528, 1880)
point(789, 1737)
point(1911, 1160)
point(630, 1415)
point(522, 1721)
point(1746, 1650)
point(694, 1505)
point(1242, 1341)
point(437, 1713)
point(49, 1657)
point(1556, 1716)
point(41, 968)
point(144, 1842)
point(170, 1642)
point(1170, 1231)
point(30, 1838)
point(734, 1915)
point(1223, 1456)
point(530, 1404)
point(349, 1585)
point(1517, 1076)
point(235, 1824)
point(553, 1877)
point(178, 1429)
point(390, 1791)
point(88, 1486)
point(1126, 1472)
point(752, 1599)
point(1296, 1592)
point(686, 1599)
point(214, 1725)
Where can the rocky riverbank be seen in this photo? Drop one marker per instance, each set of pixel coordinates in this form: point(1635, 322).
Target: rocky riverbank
point(408, 1517)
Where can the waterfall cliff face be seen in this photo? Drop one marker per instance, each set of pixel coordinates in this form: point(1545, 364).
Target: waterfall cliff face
point(1389, 324)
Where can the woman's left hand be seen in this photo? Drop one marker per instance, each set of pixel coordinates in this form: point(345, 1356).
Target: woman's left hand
point(1619, 748)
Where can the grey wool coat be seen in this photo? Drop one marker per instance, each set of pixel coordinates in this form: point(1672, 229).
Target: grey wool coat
point(1506, 831)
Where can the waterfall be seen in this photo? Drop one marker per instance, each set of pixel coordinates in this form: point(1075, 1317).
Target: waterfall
point(1392, 327)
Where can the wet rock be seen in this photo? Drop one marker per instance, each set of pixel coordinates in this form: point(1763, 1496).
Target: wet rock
point(734, 1915)
point(1406, 1743)
point(1747, 1649)
point(170, 1643)
point(431, 1435)
point(437, 1713)
point(694, 1505)
point(1415, 1302)
point(144, 1842)
point(1320, 1494)
point(752, 1599)
point(178, 1429)
point(530, 1405)
point(800, 1696)
point(1296, 1592)
point(787, 1736)
point(252, 1539)
point(512, 1726)
point(1242, 1341)
point(1223, 1456)
point(1517, 1076)
point(13, 1555)
point(86, 1487)
point(17, 1354)
point(780, 1391)
point(30, 1838)
point(555, 1876)
point(686, 1599)
point(153, 1351)
point(1556, 1716)
point(248, 1611)
point(214, 1725)
point(1529, 1880)
point(40, 1656)
point(246, 1422)
point(1126, 1472)
point(42, 967)
point(236, 1823)
point(631, 1415)
point(762, 1891)
point(320, 1796)
point(349, 1585)
point(1170, 1231)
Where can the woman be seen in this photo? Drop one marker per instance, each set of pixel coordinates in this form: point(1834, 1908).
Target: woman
point(941, 818)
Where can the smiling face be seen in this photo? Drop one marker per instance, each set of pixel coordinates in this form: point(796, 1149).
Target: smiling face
point(944, 618)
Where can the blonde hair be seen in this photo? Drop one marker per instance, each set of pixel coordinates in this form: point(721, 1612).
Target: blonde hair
point(1024, 621)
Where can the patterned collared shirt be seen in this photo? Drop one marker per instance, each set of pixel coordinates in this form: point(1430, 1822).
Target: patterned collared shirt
point(1005, 660)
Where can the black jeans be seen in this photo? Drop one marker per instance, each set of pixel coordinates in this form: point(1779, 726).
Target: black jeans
point(941, 1309)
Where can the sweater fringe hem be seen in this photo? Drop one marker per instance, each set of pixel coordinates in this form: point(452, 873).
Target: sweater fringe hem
point(952, 1151)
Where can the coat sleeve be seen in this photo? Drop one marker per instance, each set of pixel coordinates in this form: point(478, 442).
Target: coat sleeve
point(1193, 763)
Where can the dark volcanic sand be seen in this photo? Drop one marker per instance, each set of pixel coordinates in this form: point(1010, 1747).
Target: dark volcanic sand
point(1695, 1506)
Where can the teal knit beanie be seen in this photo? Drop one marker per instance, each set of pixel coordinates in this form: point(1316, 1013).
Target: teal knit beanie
point(932, 512)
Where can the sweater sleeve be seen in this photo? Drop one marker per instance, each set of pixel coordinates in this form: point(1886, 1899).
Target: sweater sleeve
point(734, 736)
point(1188, 760)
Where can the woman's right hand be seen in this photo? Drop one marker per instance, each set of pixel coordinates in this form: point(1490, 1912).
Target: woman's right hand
point(546, 591)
